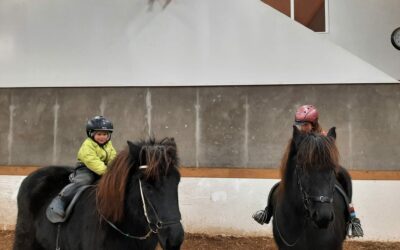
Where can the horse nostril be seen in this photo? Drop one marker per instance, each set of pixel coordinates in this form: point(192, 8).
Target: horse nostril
point(332, 216)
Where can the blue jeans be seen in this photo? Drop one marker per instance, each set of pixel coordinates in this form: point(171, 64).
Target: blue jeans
point(80, 177)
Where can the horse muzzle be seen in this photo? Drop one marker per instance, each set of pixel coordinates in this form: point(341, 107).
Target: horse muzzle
point(323, 217)
point(172, 236)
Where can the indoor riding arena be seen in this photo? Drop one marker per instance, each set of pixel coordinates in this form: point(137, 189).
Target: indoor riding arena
point(225, 80)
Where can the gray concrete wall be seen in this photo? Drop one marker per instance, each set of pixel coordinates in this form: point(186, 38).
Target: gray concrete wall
point(213, 126)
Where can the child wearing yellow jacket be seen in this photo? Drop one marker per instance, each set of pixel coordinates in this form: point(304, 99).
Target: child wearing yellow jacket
point(94, 155)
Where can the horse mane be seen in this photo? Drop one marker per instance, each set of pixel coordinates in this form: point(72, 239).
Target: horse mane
point(159, 157)
point(284, 162)
point(315, 150)
point(110, 192)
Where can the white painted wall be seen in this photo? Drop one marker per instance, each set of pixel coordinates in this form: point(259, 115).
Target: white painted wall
point(224, 206)
point(9, 186)
point(364, 28)
point(190, 42)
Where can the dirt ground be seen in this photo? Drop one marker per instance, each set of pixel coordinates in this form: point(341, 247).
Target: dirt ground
point(204, 242)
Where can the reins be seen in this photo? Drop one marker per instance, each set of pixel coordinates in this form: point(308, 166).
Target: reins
point(306, 202)
point(308, 198)
point(280, 234)
point(158, 225)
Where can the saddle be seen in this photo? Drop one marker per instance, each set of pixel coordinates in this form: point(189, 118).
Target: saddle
point(55, 218)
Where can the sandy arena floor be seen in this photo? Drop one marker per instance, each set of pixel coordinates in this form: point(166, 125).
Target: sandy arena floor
point(204, 242)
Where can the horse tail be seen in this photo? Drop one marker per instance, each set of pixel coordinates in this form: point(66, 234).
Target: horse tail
point(24, 230)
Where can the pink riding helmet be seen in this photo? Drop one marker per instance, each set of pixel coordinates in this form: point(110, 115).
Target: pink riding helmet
point(306, 113)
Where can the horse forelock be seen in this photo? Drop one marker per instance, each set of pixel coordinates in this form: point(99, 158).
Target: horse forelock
point(315, 150)
point(159, 157)
point(318, 151)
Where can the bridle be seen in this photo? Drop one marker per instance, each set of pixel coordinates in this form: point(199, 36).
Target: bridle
point(154, 227)
point(307, 199)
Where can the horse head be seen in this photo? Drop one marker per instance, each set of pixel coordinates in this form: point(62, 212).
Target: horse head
point(144, 179)
point(316, 164)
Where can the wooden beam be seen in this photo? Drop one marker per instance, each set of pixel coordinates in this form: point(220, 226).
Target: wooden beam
point(17, 170)
point(211, 172)
point(218, 172)
point(374, 175)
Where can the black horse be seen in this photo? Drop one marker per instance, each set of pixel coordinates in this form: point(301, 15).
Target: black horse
point(308, 212)
point(133, 206)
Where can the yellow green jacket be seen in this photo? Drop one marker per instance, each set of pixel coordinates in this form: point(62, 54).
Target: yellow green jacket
point(96, 157)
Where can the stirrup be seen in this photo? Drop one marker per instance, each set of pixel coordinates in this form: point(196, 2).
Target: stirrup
point(55, 212)
point(354, 228)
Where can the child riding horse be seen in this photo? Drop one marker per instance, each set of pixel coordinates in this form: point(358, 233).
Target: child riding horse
point(306, 118)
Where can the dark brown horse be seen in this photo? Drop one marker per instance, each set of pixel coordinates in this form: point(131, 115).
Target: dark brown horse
point(134, 205)
point(308, 213)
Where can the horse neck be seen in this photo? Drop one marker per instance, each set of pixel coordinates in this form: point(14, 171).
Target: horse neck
point(291, 186)
point(291, 198)
point(289, 210)
point(134, 212)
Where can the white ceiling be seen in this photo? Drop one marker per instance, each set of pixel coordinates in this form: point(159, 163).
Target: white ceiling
point(189, 42)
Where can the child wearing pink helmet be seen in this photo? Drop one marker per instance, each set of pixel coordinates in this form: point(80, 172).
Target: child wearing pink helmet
point(306, 118)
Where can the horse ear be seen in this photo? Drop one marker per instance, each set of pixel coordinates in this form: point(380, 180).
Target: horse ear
point(169, 141)
point(332, 132)
point(296, 132)
point(172, 139)
point(133, 148)
point(172, 151)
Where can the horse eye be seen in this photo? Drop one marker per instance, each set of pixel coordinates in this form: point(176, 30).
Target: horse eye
point(149, 185)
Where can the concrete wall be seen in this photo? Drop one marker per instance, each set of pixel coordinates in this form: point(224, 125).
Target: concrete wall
point(213, 126)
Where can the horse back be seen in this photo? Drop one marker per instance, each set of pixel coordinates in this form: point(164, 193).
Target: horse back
point(36, 191)
point(41, 186)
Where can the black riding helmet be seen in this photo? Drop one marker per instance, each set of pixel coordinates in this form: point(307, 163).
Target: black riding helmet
point(98, 123)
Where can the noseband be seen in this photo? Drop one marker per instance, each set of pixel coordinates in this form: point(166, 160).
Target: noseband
point(307, 199)
point(154, 227)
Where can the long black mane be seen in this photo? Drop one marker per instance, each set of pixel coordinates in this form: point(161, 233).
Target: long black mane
point(317, 150)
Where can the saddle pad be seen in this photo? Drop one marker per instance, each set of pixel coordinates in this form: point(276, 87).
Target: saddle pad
point(55, 218)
